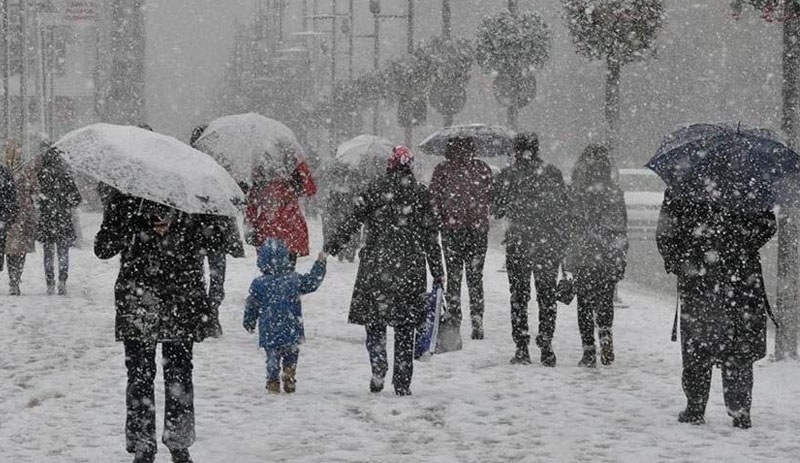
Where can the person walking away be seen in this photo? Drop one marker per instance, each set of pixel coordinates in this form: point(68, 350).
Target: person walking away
point(21, 235)
point(597, 252)
point(8, 209)
point(274, 302)
point(223, 239)
point(160, 298)
point(460, 188)
point(724, 307)
point(273, 206)
point(401, 236)
point(58, 197)
point(341, 191)
point(532, 196)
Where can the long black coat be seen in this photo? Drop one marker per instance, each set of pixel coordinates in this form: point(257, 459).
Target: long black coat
point(533, 197)
point(598, 232)
point(160, 292)
point(714, 253)
point(58, 196)
point(401, 235)
point(8, 207)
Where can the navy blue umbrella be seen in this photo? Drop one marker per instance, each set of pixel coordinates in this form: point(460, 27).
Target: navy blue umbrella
point(727, 164)
point(490, 140)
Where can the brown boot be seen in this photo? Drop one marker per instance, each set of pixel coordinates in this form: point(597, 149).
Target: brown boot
point(606, 347)
point(289, 381)
point(273, 387)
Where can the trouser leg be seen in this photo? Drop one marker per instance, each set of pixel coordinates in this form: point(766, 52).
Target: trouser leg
point(273, 364)
point(179, 430)
point(452, 248)
point(586, 316)
point(140, 421)
point(48, 253)
point(737, 386)
point(696, 382)
point(476, 248)
point(62, 250)
point(518, 266)
point(545, 276)
point(376, 348)
point(403, 368)
point(16, 262)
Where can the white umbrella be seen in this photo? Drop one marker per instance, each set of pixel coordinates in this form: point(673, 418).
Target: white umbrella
point(353, 152)
point(490, 140)
point(243, 141)
point(152, 166)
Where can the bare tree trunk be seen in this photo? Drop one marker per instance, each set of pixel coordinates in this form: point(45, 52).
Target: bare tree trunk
point(788, 232)
point(447, 26)
point(126, 103)
point(6, 63)
point(613, 70)
point(448, 120)
point(409, 135)
point(512, 114)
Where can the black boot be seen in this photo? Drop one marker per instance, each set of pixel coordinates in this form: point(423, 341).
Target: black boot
point(180, 456)
point(691, 416)
point(376, 384)
point(589, 359)
point(477, 327)
point(547, 357)
point(742, 422)
point(521, 356)
point(145, 456)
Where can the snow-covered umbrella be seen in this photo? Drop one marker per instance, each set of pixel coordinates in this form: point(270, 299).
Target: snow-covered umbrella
point(242, 142)
point(490, 140)
point(366, 154)
point(152, 166)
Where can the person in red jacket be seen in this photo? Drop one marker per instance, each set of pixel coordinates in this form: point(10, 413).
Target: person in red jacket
point(273, 205)
point(460, 188)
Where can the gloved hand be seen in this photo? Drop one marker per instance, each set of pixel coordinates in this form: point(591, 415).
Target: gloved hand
point(249, 328)
point(438, 282)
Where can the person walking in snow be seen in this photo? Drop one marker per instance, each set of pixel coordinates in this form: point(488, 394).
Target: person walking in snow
point(274, 302)
point(21, 235)
point(57, 199)
point(273, 204)
point(532, 196)
point(460, 188)
point(223, 239)
point(597, 251)
point(160, 298)
point(724, 307)
point(8, 209)
point(401, 235)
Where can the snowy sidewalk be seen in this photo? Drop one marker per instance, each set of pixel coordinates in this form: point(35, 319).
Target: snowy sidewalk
point(62, 384)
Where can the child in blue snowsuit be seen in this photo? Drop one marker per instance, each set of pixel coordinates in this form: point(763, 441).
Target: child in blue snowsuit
point(274, 301)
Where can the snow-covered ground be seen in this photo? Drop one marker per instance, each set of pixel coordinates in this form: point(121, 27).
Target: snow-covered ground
point(62, 384)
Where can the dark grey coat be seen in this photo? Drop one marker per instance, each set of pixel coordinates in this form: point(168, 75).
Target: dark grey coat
point(714, 253)
point(401, 236)
point(160, 291)
point(58, 196)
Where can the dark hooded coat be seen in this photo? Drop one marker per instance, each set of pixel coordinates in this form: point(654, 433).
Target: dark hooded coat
point(160, 292)
point(8, 207)
point(460, 187)
point(401, 235)
point(714, 253)
point(533, 197)
point(58, 196)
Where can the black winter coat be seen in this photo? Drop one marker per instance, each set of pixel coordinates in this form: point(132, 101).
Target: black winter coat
point(58, 196)
point(599, 232)
point(160, 292)
point(221, 235)
point(8, 207)
point(533, 197)
point(714, 253)
point(401, 235)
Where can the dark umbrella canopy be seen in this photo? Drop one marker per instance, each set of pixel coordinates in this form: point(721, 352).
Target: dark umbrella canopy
point(727, 164)
point(490, 140)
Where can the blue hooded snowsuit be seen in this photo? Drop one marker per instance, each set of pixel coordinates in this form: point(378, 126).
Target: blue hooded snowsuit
point(274, 298)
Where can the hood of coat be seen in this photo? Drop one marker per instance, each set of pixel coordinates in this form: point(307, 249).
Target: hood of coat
point(273, 257)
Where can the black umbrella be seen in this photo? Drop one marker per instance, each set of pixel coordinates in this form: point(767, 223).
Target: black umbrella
point(490, 140)
point(727, 164)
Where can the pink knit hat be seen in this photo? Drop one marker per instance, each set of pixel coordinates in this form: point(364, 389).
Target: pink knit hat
point(401, 156)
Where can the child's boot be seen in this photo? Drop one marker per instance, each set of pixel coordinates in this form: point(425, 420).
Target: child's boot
point(289, 380)
point(606, 346)
point(273, 386)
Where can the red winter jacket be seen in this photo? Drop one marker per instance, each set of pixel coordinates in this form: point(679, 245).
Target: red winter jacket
point(273, 210)
point(460, 189)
